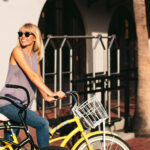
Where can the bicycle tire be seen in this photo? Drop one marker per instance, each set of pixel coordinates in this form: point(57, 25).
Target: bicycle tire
point(53, 148)
point(112, 143)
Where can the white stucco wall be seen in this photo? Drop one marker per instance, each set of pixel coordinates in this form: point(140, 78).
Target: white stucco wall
point(96, 20)
point(13, 14)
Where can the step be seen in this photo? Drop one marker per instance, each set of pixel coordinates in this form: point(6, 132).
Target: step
point(118, 125)
point(125, 136)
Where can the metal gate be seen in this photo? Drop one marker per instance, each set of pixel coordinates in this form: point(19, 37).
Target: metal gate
point(57, 74)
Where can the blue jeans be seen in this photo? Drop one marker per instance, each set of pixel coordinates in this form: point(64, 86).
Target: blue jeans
point(32, 119)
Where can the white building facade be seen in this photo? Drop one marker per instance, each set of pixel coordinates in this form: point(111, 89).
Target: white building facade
point(14, 13)
point(71, 17)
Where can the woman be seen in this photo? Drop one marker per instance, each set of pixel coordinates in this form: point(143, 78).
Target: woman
point(24, 70)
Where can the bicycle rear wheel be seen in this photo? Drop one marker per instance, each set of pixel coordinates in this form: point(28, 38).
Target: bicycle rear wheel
point(112, 142)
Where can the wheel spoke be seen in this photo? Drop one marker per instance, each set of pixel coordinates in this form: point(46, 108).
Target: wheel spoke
point(97, 142)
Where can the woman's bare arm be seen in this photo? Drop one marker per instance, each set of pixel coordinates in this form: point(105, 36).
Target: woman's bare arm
point(19, 58)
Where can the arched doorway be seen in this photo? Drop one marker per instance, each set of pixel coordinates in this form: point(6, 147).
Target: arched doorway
point(123, 26)
point(62, 17)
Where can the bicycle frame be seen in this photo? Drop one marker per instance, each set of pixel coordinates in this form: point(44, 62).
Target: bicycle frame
point(64, 139)
point(79, 128)
point(23, 126)
point(8, 126)
point(15, 141)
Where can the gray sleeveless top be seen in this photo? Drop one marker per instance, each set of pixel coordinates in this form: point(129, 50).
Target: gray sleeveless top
point(17, 76)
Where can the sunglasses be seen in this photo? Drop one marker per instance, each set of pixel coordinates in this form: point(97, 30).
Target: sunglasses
point(26, 34)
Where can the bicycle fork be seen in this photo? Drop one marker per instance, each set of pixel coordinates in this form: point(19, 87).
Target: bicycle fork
point(86, 138)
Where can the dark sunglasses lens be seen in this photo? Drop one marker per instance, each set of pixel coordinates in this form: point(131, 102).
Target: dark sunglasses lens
point(20, 34)
point(27, 34)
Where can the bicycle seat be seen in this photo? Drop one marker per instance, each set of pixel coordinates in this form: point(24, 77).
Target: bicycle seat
point(3, 117)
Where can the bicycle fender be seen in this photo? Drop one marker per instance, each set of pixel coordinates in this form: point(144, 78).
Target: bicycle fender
point(88, 135)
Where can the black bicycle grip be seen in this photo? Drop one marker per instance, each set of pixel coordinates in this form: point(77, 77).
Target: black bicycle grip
point(56, 97)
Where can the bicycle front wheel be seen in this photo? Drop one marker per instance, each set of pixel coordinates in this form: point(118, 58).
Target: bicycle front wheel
point(112, 142)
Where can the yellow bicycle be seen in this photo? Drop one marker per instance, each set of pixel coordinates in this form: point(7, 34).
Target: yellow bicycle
point(90, 114)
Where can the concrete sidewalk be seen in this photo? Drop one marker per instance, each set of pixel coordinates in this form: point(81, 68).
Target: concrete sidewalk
point(139, 143)
point(136, 143)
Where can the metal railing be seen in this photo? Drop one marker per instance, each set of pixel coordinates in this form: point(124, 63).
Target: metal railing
point(65, 40)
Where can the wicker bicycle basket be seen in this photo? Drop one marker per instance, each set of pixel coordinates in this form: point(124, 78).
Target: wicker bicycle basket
point(91, 112)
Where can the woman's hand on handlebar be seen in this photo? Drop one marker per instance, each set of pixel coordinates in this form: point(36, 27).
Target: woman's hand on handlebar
point(60, 94)
point(57, 95)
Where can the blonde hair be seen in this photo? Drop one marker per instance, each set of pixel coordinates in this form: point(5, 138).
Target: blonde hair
point(38, 46)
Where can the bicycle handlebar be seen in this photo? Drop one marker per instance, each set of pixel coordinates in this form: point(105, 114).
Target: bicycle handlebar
point(20, 87)
point(10, 100)
point(73, 93)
